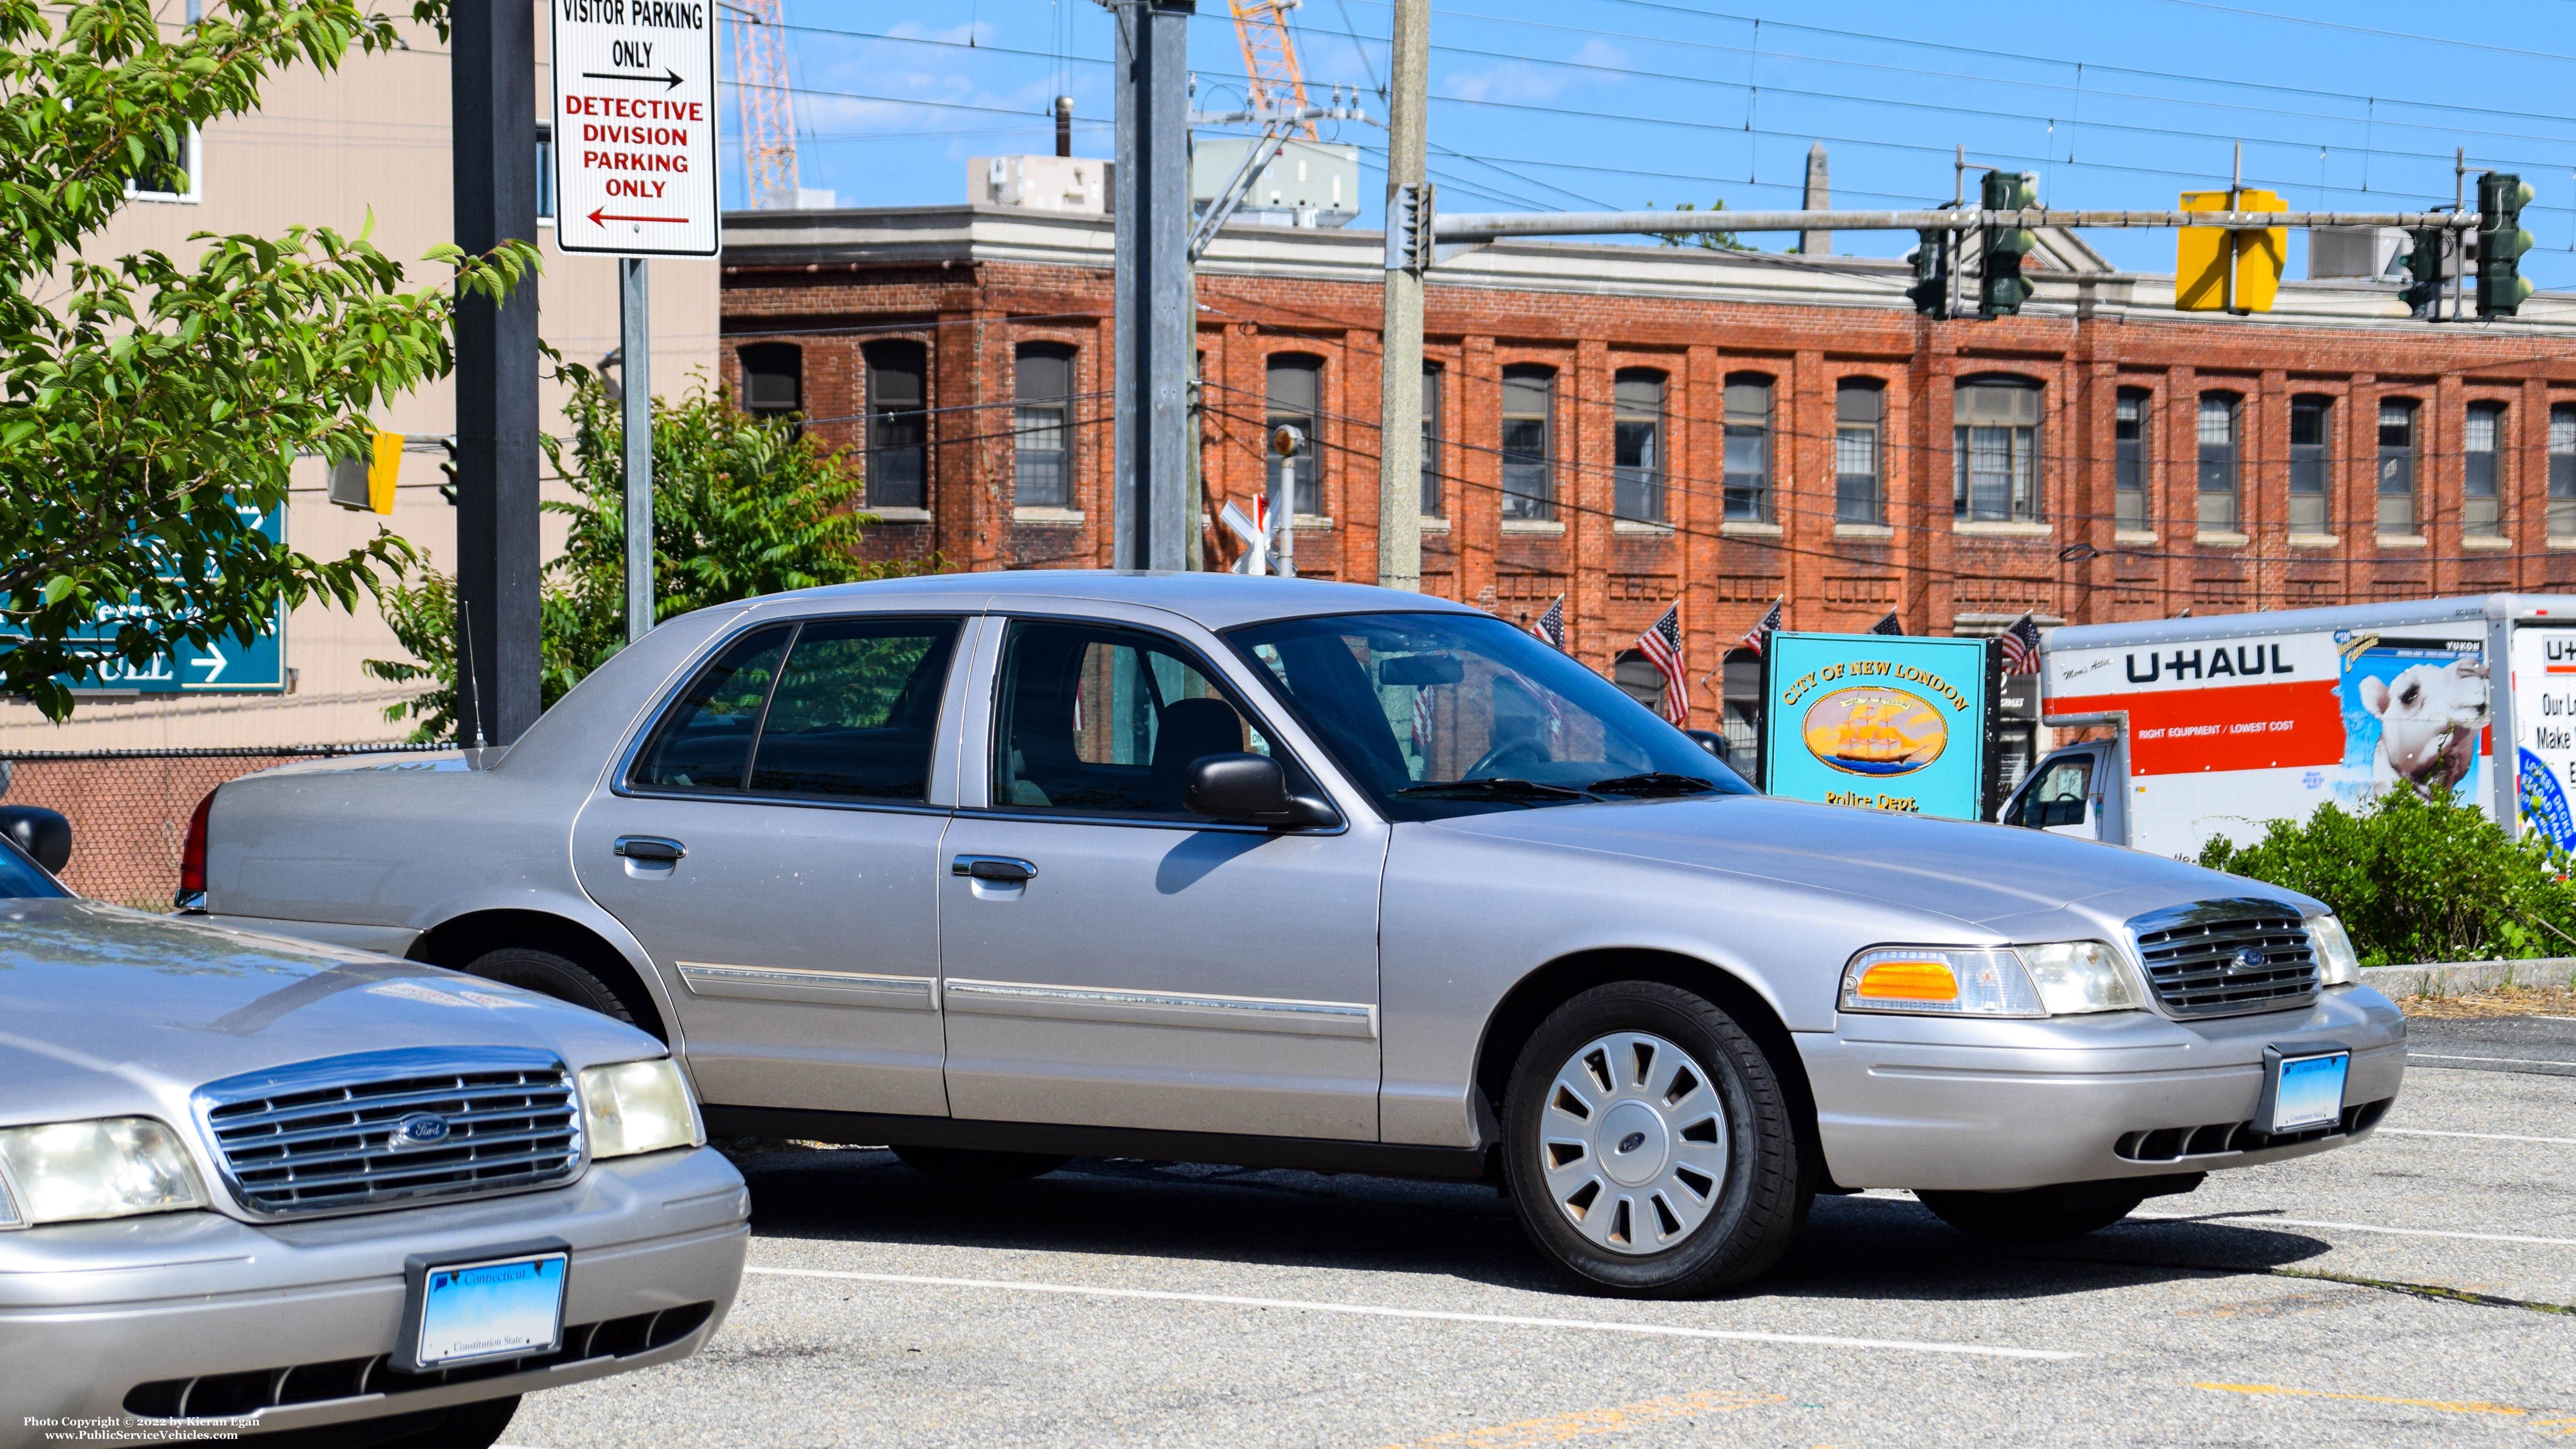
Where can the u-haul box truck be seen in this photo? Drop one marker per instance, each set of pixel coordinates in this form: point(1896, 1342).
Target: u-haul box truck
point(2221, 725)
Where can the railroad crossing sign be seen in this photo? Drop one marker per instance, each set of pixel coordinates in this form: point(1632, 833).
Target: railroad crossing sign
point(635, 127)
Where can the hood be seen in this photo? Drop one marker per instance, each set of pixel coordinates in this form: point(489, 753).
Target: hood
point(106, 1010)
point(1969, 872)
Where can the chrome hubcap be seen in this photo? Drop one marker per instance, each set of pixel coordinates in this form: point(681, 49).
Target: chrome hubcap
point(1632, 1143)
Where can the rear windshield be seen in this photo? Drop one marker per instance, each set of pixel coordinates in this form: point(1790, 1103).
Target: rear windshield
point(21, 877)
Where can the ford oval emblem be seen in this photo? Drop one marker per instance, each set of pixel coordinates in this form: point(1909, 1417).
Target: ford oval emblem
point(2249, 959)
point(420, 1129)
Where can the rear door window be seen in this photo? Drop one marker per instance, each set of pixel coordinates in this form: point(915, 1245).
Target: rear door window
point(841, 709)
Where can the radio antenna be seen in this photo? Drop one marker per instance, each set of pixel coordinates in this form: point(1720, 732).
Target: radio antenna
point(465, 680)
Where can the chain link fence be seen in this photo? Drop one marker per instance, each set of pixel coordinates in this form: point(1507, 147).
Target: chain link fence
point(129, 809)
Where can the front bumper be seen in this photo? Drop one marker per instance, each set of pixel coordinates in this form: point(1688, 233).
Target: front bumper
point(89, 1312)
point(1927, 1102)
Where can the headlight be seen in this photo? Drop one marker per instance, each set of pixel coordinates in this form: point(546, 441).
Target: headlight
point(2337, 963)
point(2074, 977)
point(1939, 981)
point(638, 1107)
point(111, 1168)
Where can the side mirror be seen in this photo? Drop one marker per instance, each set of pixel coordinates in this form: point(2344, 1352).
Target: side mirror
point(1711, 741)
point(1251, 790)
point(40, 832)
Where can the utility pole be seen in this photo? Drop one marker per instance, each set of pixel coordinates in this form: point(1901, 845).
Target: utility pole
point(493, 94)
point(1156, 313)
point(1399, 443)
point(635, 374)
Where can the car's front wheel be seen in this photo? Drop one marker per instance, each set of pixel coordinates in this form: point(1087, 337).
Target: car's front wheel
point(548, 974)
point(1649, 1145)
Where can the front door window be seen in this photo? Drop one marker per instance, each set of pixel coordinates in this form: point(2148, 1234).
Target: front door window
point(2057, 796)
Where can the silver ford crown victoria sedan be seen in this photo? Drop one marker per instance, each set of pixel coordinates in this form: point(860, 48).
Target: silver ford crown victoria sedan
point(251, 1184)
point(999, 868)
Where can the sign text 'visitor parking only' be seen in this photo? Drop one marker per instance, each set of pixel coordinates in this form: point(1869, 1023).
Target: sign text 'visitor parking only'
point(635, 127)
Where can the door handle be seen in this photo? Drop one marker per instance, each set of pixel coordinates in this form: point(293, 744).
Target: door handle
point(993, 867)
point(650, 847)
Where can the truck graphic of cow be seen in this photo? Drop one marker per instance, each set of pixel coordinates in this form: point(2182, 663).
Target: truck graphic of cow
point(2430, 719)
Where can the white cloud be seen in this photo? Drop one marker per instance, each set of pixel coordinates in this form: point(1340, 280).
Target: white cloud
point(1528, 82)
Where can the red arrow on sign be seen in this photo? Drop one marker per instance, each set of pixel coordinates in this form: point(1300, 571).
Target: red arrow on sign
point(604, 214)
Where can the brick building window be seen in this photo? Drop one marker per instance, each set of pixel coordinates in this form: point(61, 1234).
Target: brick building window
point(773, 379)
point(2129, 510)
point(2562, 471)
point(1860, 405)
point(2397, 466)
point(2220, 431)
point(1740, 715)
point(1748, 447)
point(1995, 451)
point(1297, 401)
point(1042, 424)
point(1529, 441)
point(1637, 428)
point(2481, 501)
point(2311, 464)
point(898, 428)
point(1431, 493)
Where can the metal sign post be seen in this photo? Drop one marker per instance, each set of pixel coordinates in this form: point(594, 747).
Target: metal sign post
point(1287, 443)
point(635, 177)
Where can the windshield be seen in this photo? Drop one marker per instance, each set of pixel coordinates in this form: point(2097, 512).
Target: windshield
point(1447, 714)
point(20, 876)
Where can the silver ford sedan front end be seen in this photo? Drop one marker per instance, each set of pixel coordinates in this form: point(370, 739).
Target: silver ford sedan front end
point(249, 1184)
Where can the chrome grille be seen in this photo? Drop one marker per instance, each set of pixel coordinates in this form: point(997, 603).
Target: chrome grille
point(329, 1136)
point(2220, 958)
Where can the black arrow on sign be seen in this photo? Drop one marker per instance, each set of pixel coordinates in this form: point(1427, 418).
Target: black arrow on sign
point(669, 77)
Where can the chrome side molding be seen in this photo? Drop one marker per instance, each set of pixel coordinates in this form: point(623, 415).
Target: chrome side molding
point(791, 983)
point(1159, 1008)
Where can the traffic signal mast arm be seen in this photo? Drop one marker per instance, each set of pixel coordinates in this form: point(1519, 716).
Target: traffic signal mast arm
point(1483, 226)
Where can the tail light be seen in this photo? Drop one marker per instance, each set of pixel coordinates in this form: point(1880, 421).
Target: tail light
point(192, 859)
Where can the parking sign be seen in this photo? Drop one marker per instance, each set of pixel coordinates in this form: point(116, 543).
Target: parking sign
point(635, 127)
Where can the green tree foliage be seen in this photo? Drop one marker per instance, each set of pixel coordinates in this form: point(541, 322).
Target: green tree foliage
point(150, 408)
point(2417, 880)
point(742, 505)
point(1715, 241)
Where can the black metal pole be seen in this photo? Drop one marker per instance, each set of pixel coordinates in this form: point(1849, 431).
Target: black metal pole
point(493, 92)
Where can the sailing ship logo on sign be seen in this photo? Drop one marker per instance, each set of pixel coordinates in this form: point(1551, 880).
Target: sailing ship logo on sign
point(1874, 730)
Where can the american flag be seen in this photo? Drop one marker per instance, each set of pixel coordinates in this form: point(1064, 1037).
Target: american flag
point(1662, 646)
point(1550, 626)
point(1422, 720)
point(1755, 637)
point(1887, 625)
point(2021, 646)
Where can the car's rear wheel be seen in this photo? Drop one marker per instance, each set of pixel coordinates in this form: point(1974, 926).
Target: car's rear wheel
point(2040, 1215)
point(1649, 1145)
point(548, 974)
point(969, 1164)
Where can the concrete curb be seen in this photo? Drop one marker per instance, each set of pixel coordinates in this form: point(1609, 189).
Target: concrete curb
point(2454, 978)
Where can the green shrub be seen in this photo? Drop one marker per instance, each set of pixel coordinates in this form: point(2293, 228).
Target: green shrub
point(2418, 881)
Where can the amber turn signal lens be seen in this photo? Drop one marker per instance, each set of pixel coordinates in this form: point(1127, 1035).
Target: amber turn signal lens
point(1909, 981)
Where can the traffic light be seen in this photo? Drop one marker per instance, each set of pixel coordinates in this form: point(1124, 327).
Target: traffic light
point(2423, 294)
point(2001, 288)
point(366, 483)
point(447, 466)
point(2501, 243)
point(1931, 290)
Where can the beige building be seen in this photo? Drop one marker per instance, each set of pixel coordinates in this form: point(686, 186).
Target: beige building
point(368, 143)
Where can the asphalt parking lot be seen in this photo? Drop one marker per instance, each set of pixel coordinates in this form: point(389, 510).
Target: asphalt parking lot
point(2413, 1289)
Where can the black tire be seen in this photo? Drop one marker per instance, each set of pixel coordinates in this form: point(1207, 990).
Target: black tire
point(478, 1425)
point(548, 974)
point(969, 1164)
point(2040, 1215)
point(1756, 1199)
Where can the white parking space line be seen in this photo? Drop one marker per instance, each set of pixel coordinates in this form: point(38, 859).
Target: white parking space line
point(2505, 1061)
point(2481, 1136)
point(2262, 1218)
point(1372, 1310)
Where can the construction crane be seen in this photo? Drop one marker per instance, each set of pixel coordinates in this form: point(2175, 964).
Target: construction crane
point(768, 108)
point(1270, 59)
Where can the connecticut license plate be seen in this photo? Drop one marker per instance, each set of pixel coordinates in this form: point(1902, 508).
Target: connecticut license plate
point(485, 1310)
point(2308, 1091)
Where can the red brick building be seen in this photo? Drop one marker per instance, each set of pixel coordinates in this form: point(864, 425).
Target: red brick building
point(1628, 425)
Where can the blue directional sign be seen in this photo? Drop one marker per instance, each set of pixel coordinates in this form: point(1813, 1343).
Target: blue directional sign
point(222, 665)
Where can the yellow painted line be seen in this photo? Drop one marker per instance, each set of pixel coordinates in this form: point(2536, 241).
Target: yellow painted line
point(2448, 1406)
point(1375, 1310)
point(1585, 1423)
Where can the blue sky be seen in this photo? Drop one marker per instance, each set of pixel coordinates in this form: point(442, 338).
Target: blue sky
point(1577, 104)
